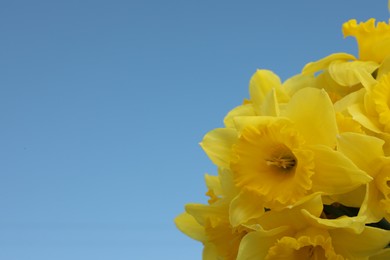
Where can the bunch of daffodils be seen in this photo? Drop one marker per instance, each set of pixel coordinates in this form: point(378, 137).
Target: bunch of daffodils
point(304, 164)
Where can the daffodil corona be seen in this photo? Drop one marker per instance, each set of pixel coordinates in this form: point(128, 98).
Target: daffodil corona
point(304, 164)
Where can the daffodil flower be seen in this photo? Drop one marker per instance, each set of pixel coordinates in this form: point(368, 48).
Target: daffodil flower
point(283, 159)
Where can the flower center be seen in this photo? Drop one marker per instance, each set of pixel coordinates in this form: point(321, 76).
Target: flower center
point(285, 162)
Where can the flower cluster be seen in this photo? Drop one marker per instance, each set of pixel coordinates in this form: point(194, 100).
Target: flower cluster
point(304, 164)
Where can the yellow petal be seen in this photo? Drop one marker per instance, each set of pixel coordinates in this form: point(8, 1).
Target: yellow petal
point(359, 246)
point(354, 224)
point(373, 40)
point(350, 99)
point(357, 112)
point(243, 110)
point(255, 245)
point(244, 121)
point(335, 173)
point(382, 254)
point(312, 112)
point(261, 83)
point(189, 226)
point(354, 72)
point(292, 215)
point(319, 65)
point(210, 252)
point(363, 150)
point(270, 105)
point(218, 143)
point(244, 207)
point(297, 82)
point(203, 213)
point(371, 207)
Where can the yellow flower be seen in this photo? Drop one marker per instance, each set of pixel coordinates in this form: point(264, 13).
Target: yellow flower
point(373, 40)
point(299, 233)
point(373, 112)
point(283, 159)
point(210, 224)
point(311, 243)
point(367, 153)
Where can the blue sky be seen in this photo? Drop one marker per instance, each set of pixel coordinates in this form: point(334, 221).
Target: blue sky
point(103, 104)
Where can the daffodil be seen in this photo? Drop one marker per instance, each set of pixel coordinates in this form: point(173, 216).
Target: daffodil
point(302, 233)
point(367, 153)
point(373, 39)
point(210, 224)
point(283, 159)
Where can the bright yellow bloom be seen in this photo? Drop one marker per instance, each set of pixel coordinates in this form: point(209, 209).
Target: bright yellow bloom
point(283, 159)
point(373, 112)
point(373, 40)
point(367, 153)
point(299, 233)
point(210, 224)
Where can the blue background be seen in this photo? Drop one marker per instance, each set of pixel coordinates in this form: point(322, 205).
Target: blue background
point(103, 104)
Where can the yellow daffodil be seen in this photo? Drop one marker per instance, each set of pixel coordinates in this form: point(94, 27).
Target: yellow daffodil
point(302, 234)
point(373, 40)
point(367, 153)
point(210, 224)
point(283, 159)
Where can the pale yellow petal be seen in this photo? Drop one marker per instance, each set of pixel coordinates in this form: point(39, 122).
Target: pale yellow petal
point(218, 143)
point(244, 121)
point(353, 198)
point(323, 63)
point(255, 245)
point(297, 82)
point(201, 212)
point(363, 150)
point(213, 183)
point(384, 68)
point(350, 99)
point(189, 226)
point(371, 207)
point(335, 173)
point(357, 112)
point(312, 112)
point(292, 215)
point(243, 110)
point(354, 224)
point(270, 107)
point(261, 83)
point(354, 72)
point(359, 246)
point(244, 207)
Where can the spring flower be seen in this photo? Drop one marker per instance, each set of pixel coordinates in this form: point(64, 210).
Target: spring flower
point(373, 40)
point(304, 164)
point(283, 159)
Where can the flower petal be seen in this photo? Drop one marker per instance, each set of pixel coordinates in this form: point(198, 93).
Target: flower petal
point(218, 143)
point(312, 112)
point(363, 150)
point(261, 83)
point(189, 226)
point(255, 244)
point(359, 246)
point(243, 110)
point(371, 207)
point(354, 224)
point(358, 115)
point(335, 173)
point(352, 73)
point(244, 207)
point(319, 65)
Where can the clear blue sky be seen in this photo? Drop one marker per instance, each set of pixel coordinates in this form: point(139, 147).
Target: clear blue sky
point(103, 104)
